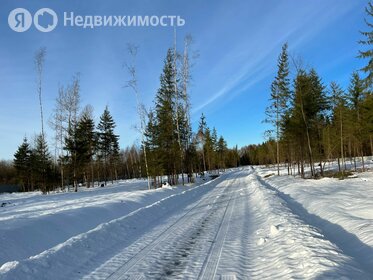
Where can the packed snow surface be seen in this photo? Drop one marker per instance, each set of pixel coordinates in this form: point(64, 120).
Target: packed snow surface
point(241, 225)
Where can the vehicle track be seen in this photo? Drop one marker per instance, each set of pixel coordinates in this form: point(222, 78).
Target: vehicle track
point(176, 235)
point(212, 261)
point(190, 244)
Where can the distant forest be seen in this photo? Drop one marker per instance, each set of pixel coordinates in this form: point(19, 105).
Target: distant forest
point(311, 124)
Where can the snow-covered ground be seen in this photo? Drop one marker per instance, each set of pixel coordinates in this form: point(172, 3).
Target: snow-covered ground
point(241, 225)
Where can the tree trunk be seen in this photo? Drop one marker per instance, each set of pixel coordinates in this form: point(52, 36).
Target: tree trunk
point(308, 140)
point(362, 157)
point(341, 135)
point(204, 161)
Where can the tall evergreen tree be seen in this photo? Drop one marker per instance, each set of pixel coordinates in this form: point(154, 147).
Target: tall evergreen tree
point(356, 95)
point(165, 122)
point(41, 164)
point(152, 148)
point(367, 53)
point(367, 119)
point(72, 146)
point(308, 105)
point(339, 116)
point(22, 163)
point(202, 126)
point(87, 141)
point(208, 149)
point(80, 142)
point(280, 93)
point(221, 152)
point(107, 143)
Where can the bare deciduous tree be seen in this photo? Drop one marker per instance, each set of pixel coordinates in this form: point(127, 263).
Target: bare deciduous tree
point(39, 64)
point(132, 83)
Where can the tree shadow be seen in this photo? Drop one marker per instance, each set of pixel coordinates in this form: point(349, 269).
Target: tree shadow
point(346, 241)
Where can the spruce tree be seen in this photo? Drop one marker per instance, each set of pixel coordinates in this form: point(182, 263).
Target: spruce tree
point(22, 164)
point(166, 137)
point(72, 146)
point(221, 152)
point(107, 143)
point(87, 142)
point(280, 93)
point(214, 138)
point(80, 143)
point(201, 138)
point(208, 149)
point(41, 163)
point(152, 148)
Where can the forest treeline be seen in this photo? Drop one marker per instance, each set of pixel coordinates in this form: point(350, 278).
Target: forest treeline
point(84, 153)
point(314, 123)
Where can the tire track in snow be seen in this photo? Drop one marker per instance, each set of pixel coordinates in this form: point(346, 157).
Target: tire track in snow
point(212, 261)
point(187, 221)
point(80, 254)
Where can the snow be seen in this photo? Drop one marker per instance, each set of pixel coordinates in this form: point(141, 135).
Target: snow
point(341, 210)
point(241, 225)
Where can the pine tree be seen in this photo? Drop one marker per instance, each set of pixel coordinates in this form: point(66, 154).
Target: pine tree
point(339, 111)
point(367, 119)
point(356, 95)
point(368, 52)
point(320, 120)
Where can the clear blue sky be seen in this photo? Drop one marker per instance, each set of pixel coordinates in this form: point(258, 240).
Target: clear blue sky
point(238, 43)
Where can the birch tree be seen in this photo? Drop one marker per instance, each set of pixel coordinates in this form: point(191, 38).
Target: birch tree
point(39, 65)
point(132, 83)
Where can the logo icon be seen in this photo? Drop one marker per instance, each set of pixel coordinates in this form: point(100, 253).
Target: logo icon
point(20, 20)
point(45, 20)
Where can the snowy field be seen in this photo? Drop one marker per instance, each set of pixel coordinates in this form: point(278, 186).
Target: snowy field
point(241, 225)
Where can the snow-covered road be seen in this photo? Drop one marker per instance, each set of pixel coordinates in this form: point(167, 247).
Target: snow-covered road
point(238, 226)
point(186, 245)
